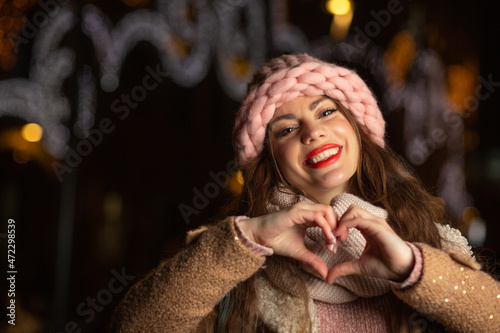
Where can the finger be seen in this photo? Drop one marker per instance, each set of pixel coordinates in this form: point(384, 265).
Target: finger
point(325, 223)
point(319, 215)
point(357, 212)
point(325, 218)
point(369, 229)
point(342, 269)
point(331, 219)
point(328, 223)
point(311, 260)
point(332, 247)
point(365, 222)
point(357, 209)
point(342, 231)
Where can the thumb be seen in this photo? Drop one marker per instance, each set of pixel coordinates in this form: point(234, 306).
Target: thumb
point(342, 269)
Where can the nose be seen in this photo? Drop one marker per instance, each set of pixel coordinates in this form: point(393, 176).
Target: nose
point(312, 131)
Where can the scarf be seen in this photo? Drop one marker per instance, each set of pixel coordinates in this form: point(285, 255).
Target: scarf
point(281, 303)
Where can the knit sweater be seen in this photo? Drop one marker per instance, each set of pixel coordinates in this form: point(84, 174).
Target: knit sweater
point(177, 295)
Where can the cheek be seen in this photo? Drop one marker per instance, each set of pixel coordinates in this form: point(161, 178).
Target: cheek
point(343, 127)
point(283, 153)
point(355, 158)
point(353, 152)
point(286, 157)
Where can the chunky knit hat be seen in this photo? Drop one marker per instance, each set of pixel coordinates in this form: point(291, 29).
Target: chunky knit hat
point(284, 78)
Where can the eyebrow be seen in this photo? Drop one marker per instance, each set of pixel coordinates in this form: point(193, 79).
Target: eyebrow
point(312, 106)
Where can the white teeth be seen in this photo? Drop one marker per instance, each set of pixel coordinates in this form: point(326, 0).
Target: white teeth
point(323, 155)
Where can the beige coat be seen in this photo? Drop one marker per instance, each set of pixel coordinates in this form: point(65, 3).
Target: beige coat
point(177, 295)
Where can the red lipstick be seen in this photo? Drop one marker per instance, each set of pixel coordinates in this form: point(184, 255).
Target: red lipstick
point(321, 164)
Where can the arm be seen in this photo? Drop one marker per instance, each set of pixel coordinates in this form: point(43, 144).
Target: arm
point(437, 287)
point(178, 294)
point(455, 292)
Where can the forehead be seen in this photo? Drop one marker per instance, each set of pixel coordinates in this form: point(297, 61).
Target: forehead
point(302, 103)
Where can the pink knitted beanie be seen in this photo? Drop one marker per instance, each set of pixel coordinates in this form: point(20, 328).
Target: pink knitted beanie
point(284, 78)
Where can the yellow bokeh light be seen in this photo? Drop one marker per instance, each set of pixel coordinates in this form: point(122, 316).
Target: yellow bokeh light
point(338, 7)
point(236, 183)
point(339, 28)
point(239, 178)
point(241, 67)
point(32, 132)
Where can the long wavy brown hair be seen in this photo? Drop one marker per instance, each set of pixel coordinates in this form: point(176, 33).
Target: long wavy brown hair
point(381, 179)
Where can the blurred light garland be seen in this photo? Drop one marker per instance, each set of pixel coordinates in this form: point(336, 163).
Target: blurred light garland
point(39, 99)
point(240, 48)
point(166, 30)
point(190, 22)
point(181, 30)
point(191, 34)
point(287, 38)
point(87, 101)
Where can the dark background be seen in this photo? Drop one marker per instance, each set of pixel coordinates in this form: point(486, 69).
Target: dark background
point(126, 193)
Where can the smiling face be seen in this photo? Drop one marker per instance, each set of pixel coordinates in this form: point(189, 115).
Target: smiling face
point(315, 146)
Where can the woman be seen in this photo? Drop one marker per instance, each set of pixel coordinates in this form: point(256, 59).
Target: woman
point(309, 137)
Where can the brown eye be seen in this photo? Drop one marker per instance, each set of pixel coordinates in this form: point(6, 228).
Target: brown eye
point(327, 112)
point(284, 132)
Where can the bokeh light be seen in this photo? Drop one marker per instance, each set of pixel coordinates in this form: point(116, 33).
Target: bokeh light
point(341, 24)
point(32, 132)
point(338, 7)
point(399, 56)
point(461, 81)
point(236, 183)
point(475, 226)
